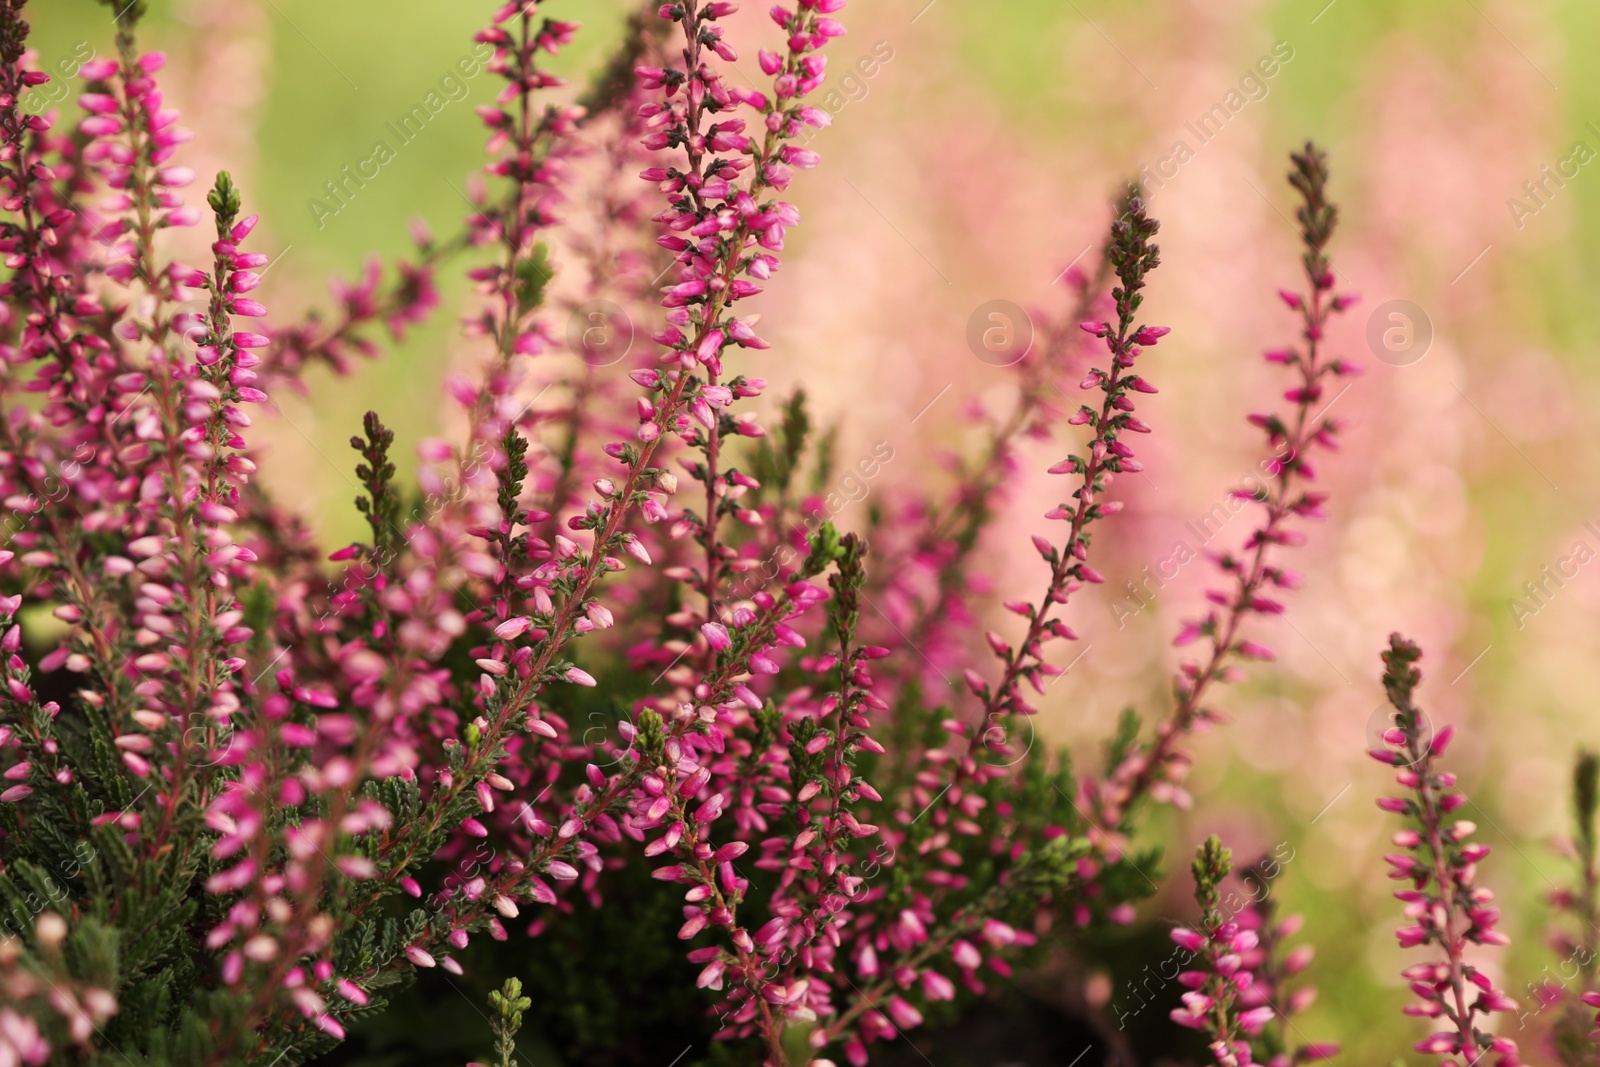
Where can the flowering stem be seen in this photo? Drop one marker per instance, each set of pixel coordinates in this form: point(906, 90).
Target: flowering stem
point(1133, 257)
point(1151, 764)
point(1445, 908)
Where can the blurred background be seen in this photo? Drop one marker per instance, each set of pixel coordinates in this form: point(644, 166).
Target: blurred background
point(973, 157)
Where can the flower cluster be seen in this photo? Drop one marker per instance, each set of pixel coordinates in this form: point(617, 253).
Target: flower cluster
point(1237, 996)
point(1272, 970)
point(316, 777)
point(1445, 907)
point(1213, 1002)
point(1133, 257)
point(69, 1011)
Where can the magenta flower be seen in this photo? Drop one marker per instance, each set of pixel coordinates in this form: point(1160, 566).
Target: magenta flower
point(1213, 1001)
point(615, 622)
point(1444, 907)
point(1269, 994)
point(1109, 455)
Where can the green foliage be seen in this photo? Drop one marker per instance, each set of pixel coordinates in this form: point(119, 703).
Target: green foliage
point(532, 279)
point(1132, 255)
point(849, 554)
point(1400, 680)
point(607, 986)
point(1317, 216)
point(1585, 793)
point(127, 12)
point(508, 1004)
point(797, 1042)
point(509, 479)
point(1122, 742)
point(381, 504)
point(225, 204)
point(1212, 863)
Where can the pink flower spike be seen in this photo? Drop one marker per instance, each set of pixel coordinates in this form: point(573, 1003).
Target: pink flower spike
point(1443, 908)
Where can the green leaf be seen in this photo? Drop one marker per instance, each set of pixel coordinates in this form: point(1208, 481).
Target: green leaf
point(532, 278)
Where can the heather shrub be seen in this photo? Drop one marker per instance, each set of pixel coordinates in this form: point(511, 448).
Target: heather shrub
point(604, 725)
